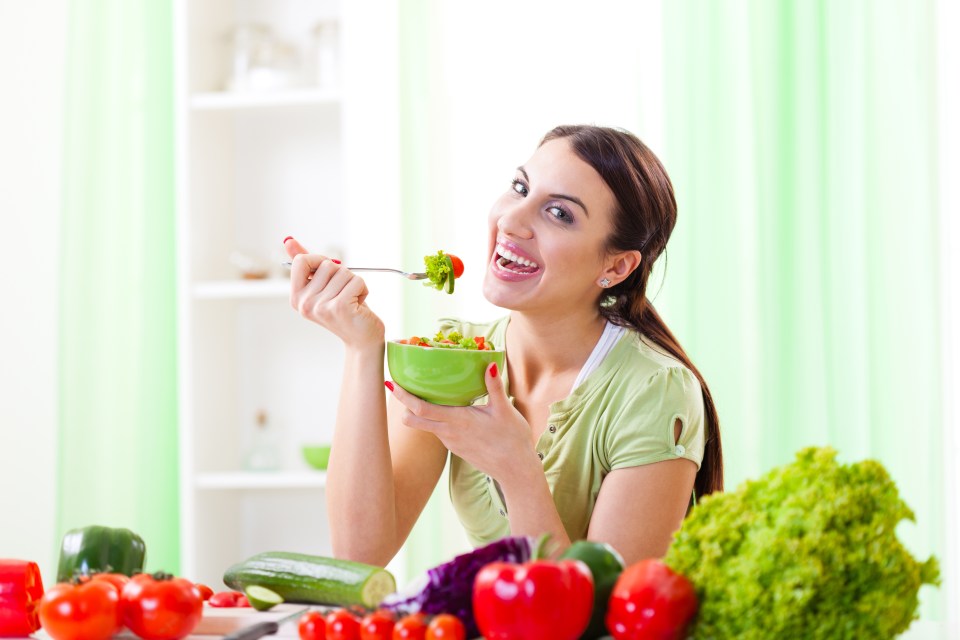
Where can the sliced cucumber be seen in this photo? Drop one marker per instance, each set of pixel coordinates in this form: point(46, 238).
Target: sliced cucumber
point(450, 277)
point(261, 598)
point(298, 577)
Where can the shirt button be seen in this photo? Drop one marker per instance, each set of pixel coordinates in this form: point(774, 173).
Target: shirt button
point(539, 455)
point(489, 479)
point(680, 450)
point(502, 513)
point(552, 428)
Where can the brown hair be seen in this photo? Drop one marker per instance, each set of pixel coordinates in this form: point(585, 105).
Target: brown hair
point(644, 220)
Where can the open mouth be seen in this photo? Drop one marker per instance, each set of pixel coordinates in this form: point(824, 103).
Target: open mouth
point(510, 261)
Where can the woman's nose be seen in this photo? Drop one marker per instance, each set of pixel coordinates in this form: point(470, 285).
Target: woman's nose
point(515, 220)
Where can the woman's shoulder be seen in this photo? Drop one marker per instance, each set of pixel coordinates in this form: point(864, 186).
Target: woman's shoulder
point(645, 360)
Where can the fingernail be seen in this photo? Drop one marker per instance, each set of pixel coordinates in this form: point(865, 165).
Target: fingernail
point(493, 370)
point(335, 261)
point(287, 238)
point(388, 385)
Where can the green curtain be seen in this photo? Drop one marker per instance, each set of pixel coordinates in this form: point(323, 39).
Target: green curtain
point(803, 274)
point(437, 535)
point(118, 404)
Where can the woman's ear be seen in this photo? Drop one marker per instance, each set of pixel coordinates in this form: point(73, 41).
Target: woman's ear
point(619, 266)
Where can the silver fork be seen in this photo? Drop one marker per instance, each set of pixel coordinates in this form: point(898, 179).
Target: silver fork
point(406, 274)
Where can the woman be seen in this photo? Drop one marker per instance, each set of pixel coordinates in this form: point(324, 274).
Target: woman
point(608, 431)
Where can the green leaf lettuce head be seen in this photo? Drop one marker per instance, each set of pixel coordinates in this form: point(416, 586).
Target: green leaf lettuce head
point(809, 550)
point(439, 269)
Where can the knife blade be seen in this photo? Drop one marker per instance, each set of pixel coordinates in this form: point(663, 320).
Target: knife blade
point(266, 628)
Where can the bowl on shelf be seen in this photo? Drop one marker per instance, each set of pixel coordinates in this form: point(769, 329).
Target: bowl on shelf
point(316, 455)
point(452, 377)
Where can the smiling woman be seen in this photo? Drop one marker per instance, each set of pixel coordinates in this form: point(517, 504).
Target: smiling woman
point(597, 426)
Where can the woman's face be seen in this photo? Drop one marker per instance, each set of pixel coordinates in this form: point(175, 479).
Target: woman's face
point(547, 233)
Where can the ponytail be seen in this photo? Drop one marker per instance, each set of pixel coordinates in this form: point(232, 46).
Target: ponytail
point(640, 315)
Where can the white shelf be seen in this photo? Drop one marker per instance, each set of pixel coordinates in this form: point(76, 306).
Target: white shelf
point(235, 101)
point(241, 289)
point(262, 480)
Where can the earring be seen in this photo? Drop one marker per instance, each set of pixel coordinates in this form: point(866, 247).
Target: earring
point(604, 283)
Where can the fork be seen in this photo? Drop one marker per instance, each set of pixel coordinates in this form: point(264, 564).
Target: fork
point(406, 274)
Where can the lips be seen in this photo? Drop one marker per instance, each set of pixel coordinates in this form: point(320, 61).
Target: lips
point(509, 263)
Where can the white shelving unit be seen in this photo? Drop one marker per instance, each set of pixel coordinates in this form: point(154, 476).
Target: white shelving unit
point(253, 168)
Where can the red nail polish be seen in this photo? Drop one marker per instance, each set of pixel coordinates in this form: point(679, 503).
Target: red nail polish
point(493, 370)
point(335, 261)
point(388, 385)
point(287, 238)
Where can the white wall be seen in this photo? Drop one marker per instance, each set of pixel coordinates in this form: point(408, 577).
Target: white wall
point(32, 47)
point(948, 19)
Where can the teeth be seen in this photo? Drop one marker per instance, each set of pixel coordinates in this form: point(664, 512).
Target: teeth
point(510, 255)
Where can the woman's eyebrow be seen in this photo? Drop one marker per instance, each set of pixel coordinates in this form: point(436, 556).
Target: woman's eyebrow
point(561, 196)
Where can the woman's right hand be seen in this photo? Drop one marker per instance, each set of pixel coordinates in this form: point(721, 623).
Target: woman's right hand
point(324, 292)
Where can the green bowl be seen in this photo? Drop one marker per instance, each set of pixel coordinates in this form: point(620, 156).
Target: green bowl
point(317, 455)
point(452, 377)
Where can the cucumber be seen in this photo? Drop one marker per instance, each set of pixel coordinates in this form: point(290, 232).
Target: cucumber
point(450, 277)
point(297, 577)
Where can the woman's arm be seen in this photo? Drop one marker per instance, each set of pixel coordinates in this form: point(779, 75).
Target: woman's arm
point(639, 508)
point(379, 478)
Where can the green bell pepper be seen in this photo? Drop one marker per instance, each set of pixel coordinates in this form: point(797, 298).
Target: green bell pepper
point(605, 565)
point(98, 549)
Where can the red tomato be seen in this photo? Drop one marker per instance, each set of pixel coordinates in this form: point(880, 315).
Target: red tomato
point(446, 627)
point(457, 265)
point(89, 611)
point(242, 601)
point(650, 600)
point(342, 625)
point(205, 592)
point(161, 607)
point(118, 580)
point(311, 626)
point(377, 626)
point(224, 599)
point(412, 627)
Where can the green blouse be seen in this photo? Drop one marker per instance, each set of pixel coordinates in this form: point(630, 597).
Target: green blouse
point(622, 415)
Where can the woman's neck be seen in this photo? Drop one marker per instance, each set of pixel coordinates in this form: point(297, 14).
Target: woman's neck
point(540, 346)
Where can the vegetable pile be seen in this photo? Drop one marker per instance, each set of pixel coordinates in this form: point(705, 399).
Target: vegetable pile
point(452, 340)
point(442, 269)
point(807, 551)
point(448, 588)
point(100, 590)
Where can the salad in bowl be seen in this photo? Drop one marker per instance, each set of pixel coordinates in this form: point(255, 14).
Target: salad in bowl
point(448, 369)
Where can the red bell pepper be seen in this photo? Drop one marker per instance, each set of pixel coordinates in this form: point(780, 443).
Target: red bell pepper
point(650, 601)
point(21, 588)
point(539, 600)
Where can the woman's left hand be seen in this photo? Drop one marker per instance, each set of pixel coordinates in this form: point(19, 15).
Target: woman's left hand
point(492, 437)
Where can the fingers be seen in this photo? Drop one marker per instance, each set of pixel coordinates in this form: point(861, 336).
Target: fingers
point(303, 266)
point(418, 407)
point(496, 394)
point(292, 247)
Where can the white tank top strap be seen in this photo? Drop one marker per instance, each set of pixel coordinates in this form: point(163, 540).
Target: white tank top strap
point(611, 334)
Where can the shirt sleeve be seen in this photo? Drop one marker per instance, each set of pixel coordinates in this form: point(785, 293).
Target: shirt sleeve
point(641, 429)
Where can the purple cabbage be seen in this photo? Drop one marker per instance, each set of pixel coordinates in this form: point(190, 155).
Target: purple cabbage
point(448, 588)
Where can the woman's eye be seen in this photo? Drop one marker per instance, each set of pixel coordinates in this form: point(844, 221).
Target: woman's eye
point(560, 214)
point(519, 187)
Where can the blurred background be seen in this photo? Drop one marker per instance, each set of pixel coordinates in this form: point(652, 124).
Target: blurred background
point(155, 153)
